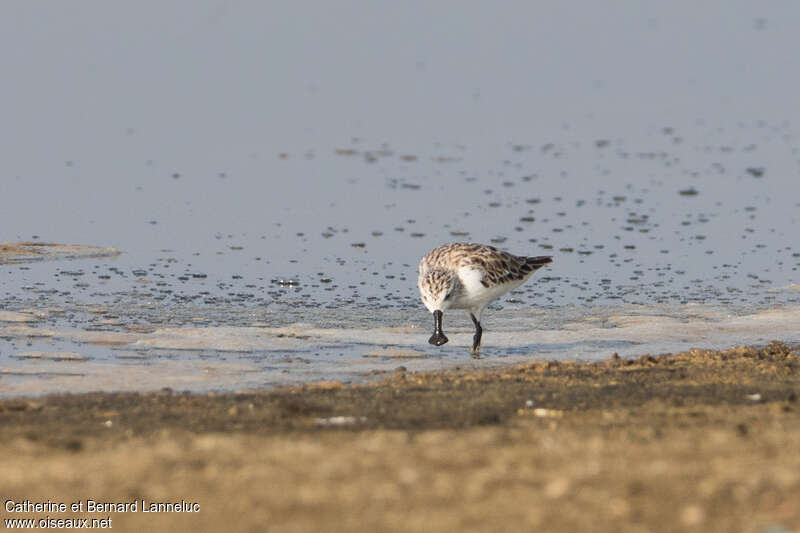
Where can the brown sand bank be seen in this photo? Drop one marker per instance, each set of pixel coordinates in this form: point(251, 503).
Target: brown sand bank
point(27, 251)
point(701, 440)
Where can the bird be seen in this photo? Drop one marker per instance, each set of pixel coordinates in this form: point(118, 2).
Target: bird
point(469, 276)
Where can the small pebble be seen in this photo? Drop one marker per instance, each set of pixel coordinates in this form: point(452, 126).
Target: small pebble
point(339, 420)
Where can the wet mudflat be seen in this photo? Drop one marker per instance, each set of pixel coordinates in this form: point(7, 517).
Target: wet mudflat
point(701, 439)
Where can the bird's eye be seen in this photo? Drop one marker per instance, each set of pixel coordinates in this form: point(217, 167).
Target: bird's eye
point(447, 297)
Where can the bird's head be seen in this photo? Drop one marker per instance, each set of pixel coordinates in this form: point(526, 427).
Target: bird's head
point(436, 288)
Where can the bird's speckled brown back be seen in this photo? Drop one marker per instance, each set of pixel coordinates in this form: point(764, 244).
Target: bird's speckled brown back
point(499, 267)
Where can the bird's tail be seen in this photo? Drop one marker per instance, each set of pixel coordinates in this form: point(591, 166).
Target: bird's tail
point(532, 264)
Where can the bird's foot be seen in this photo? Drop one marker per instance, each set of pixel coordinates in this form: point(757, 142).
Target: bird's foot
point(475, 351)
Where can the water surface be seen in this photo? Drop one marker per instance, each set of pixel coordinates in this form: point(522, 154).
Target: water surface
point(283, 169)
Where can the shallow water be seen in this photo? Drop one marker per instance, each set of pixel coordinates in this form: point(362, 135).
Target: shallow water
point(49, 354)
point(289, 188)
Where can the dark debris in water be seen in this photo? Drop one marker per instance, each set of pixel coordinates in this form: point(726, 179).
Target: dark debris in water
point(285, 282)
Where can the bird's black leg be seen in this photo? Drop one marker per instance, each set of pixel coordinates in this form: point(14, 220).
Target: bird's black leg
point(476, 340)
point(438, 338)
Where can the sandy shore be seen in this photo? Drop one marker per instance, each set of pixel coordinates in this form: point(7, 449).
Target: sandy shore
point(30, 251)
point(701, 440)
